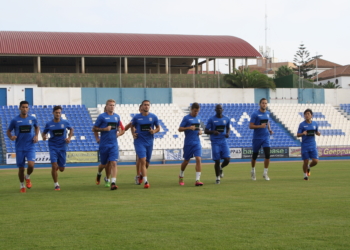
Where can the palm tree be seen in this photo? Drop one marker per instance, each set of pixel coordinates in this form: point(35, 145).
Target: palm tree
point(331, 85)
point(247, 79)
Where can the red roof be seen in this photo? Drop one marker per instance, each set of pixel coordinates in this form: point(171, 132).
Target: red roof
point(111, 44)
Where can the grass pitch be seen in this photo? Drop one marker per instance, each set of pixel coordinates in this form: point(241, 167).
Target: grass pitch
point(284, 213)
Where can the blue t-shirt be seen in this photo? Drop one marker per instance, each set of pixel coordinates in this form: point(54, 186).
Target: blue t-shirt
point(218, 124)
point(58, 134)
point(259, 118)
point(308, 141)
point(191, 136)
point(24, 130)
point(143, 125)
point(104, 120)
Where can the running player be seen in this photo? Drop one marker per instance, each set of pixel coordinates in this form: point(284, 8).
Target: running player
point(143, 128)
point(57, 128)
point(259, 121)
point(218, 127)
point(26, 131)
point(307, 131)
point(192, 148)
point(108, 124)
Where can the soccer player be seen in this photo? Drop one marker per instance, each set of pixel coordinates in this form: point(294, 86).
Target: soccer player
point(259, 121)
point(26, 131)
point(218, 127)
point(143, 128)
point(192, 146)
point(57, 128)
point(307, 131)
point(108, 124)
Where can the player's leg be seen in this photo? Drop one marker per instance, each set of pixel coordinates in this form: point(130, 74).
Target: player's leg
point(266, 162)
point(217, 171)
point(113, 158)
point(20, 160)
point(313, 154)
point(215, 150)
point(197, 152)
point(224, 154)
point(141, 151)
point(104, 164)
point(54, 174)
point(149, 151)
point(138, 177)
point(305, 168)
point(256, 144)
point(182, 171)
point(30, 155)
point(61, 165)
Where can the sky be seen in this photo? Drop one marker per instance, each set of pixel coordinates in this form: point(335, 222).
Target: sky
point(319, 25)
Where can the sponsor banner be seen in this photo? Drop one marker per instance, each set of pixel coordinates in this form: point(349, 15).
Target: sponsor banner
point(206, 153)
point(40, 157)
point(236, 153)
point(333, 151)
point(275, 152)
point(173, 154)
point(294, 152)
point(79, 156)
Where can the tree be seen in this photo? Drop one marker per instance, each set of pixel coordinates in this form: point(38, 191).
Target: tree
point(302, 62)
point(247, 79)
point(284, 70)
point(330, 85)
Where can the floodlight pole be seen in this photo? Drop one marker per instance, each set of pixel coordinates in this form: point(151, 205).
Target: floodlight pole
point(315, 57)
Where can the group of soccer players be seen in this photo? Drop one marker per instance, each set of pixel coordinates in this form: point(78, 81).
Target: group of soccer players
point(143, 126)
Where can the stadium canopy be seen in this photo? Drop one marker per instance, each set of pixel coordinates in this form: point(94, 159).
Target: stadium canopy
point(21, 44)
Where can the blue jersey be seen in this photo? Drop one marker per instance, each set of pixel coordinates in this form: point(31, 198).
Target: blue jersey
point(24, 130)
point(104, 120)
point(222, 125)
point(259, 118)
point(58, 134)
point(143, 124)
point(308, 141)
point(191, 136)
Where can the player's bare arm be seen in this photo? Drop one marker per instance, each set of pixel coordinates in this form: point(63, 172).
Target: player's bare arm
point(10, 136)
point(37, 131)
point(211, 132)
point(253, 126)
point(301, 134)
point(182, 129)
point(70, 135)
point(153, 131)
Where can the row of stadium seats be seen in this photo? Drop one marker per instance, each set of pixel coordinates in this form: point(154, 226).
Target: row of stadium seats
point(334, 127)
point(345, 107)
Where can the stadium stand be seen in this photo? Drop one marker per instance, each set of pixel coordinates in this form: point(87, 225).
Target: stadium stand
point(334, 127)
point(241, 135)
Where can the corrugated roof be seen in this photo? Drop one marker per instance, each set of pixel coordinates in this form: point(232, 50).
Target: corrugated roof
point(112, 44)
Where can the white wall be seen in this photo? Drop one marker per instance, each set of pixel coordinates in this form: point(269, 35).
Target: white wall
point(285, 95)
point(52, 96)
point(16, 93)
point(183, 97)
point(343, 81)
point(337, 96)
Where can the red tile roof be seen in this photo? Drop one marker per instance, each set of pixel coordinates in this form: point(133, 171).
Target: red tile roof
point(337, 71)
point(111, 44)
point(321, 63)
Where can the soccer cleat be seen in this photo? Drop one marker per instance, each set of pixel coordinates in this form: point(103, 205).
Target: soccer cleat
point(28, 183)
point(217, 182)
point(114, 187)
point(146, 185)
point(107, 183)
point(266, 177)
point(140, 179)
point(221, 173)
point(181, 181)
point(306, 178)
point(308, 172)
point(57, 188)
point(23, 190)
point(137, 180)
point(198, 183)
point(252, 174)
point(98, 179)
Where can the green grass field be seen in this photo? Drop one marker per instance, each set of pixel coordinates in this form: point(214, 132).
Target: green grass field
point(284, 213)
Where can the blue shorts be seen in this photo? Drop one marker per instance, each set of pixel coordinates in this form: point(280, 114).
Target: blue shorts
point(309, 153)
point(59, 156)
point(220, 150)
point(191, 151)
point(258, 143)
point(143, 151)
point(109, 153)
point(22, 155)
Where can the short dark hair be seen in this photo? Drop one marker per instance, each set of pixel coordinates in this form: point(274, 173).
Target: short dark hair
point(56, 108)
point(262, 99)
point(308, 110)
point(195, 105)
point(23, 102)
point(145, 101)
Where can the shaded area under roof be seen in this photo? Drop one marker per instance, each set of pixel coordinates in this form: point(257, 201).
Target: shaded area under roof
point(113, 44)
